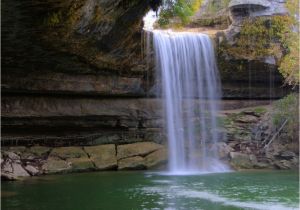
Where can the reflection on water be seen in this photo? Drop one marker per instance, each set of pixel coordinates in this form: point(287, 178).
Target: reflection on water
point(7, 194)
point(137, 190)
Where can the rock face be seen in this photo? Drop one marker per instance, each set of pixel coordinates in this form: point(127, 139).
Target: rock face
point(136, 163)
point(71, 71)
point(258, 71)
point(55, 165)
point(242, 161)
point(247, 141)
point(156, 159)
point(253, 8)
point(137, 149)
point(103, 156)
point(68, 63)
point(75, 36)
point(16, 161)
point(140, 156)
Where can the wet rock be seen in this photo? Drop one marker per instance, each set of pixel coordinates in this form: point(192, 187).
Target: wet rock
point(132, 163)
point(103, 156)
point(137, 149)
point(157, 158)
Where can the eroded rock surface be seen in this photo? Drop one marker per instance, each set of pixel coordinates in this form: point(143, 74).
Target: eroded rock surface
point(38, 160)
point(103, 156)
point(137, 149)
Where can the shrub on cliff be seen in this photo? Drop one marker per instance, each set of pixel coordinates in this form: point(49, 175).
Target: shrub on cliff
point(182, 9)
point(269, 36)
point(289, 65)
point(286, 115)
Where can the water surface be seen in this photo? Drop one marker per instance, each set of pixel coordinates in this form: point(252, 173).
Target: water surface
point(137, 190)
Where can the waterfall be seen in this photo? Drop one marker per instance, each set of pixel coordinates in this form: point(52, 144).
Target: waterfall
point(187, 71)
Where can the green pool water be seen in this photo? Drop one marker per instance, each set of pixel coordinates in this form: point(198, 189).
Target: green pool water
point(271, 190)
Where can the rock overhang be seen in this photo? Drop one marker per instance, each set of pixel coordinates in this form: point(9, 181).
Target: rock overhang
point(255, 8)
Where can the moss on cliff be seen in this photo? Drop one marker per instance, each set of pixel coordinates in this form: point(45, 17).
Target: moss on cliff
point(259, 37)
point(262, 37)
point(287, 109)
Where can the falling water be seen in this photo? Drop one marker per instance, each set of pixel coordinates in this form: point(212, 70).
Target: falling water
point(190, 83)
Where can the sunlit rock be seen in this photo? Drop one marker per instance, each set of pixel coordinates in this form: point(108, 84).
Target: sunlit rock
point(103, 156)
point(137, 149)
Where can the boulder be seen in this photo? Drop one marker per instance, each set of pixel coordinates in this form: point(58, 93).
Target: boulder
point(247, 119)
point(33, 171)
point(156, 158)
point(242, 161)
point(68, 152)
point(39, 151)
point(224, 150)
point(81, 164)
point(262, 165)
point(75, 157)
point(18, 150)
point(137, 149)
point(103, 156)
point(36, 152)
point(19, 171)
point(288, 155)
point(283, 164)
point(132, 163)
point(11, 155)
point(6, 167)
point(56, 165)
